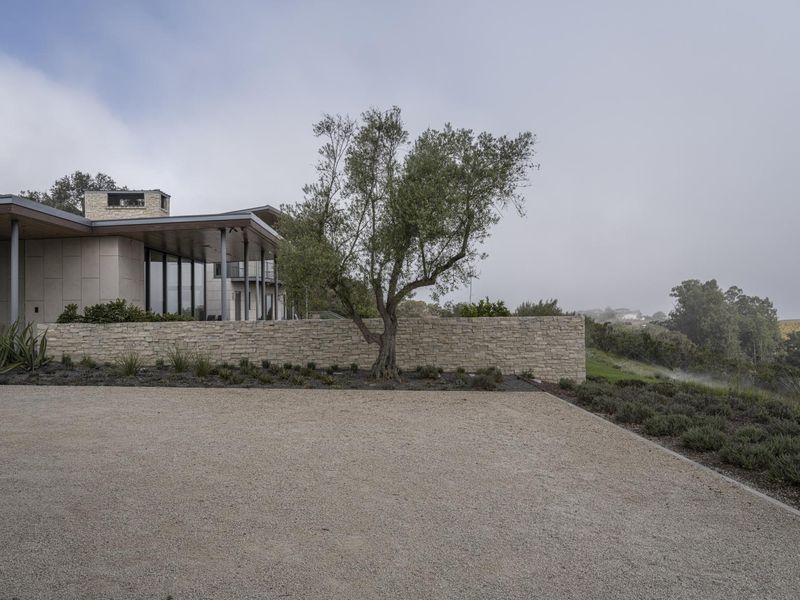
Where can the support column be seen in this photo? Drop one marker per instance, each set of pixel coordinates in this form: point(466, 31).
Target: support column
point(275, 286)
point(246, 284)
point(13, 288)
point(223, 271)
point(262, 288)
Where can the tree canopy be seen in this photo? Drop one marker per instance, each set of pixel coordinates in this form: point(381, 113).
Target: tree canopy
point(729, 324)
point(396, 217)
point(67, 192)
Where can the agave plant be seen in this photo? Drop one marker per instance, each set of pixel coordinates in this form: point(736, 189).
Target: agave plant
point(22, 346)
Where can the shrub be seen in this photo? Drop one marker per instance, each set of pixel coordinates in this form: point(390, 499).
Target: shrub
point(461, 370)
point(88, 362)
point(330, 370)
point(244, 364)
point(566, 383)
point(201, 366)
point(354, 367)
point(493, 373)
point(673, 424)
point(66, 360)
point(630, 412)
point(159, 363)
point(306, 371)
point(483, 382)
point(274, 369)
point(265, 364)
point(786, 467)
point(129, 364)
point(327, 380)
point(543, 308)
point(179, 359)
point(311, 365)
point(428, 372)
point(604, 404)
point(703, 438)
point(747, 456)
point(287, 366)
point(225, 373)
point(751, 434)
point(484, 308)
point(264, 378)
point(116, 311)
point(296, 380)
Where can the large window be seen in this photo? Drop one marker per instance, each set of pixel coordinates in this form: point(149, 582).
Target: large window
point(175, 284)
point(126, 199)
point(155, 281)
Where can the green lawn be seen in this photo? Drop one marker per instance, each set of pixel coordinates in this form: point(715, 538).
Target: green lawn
point(602, 364)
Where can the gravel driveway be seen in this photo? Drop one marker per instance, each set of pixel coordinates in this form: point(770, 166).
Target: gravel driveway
point(236, 493)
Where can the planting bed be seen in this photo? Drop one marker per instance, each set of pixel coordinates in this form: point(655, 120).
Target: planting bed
point(249, 375)
point(750, 436)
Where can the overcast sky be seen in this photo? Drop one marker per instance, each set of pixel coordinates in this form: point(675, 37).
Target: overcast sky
point(668, 132)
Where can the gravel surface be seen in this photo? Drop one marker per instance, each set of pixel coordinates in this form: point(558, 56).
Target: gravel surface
point(211, 493)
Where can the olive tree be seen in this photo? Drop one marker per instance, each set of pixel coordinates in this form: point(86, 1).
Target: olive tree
point(393, 216)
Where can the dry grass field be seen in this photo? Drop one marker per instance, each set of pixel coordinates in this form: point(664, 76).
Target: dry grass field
point(789, 326)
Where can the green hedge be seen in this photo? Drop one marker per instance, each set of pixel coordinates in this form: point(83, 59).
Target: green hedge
point(116, 311)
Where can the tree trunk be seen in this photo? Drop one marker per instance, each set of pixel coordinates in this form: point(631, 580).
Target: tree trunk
point(385, 366)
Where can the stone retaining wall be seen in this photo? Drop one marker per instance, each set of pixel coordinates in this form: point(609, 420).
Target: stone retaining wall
point(550, 347)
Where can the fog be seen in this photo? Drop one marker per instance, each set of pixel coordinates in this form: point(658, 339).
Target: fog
point(667, 135)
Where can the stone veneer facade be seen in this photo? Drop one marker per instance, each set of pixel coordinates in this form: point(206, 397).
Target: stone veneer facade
point(550, 347)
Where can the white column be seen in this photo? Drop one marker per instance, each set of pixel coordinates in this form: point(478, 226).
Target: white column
point(246, 284)
point(223, 271)
point(275, 286)
point(13, 301)
point(262, 290)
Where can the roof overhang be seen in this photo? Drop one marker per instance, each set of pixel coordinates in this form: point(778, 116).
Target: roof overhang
point(195, 236)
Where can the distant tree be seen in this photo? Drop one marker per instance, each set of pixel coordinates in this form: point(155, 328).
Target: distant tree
point(543, 308)
point(417, 308)
point(728, 324)
point(608, 314)
point(67, 192)
point(792, 349)
point(659, 317)
point(398, 219)
point(702, 313)
point(759, 333)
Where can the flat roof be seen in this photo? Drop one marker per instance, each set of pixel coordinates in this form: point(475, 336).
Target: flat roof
point(195, 236)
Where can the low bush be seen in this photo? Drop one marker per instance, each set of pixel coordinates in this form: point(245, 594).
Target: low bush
point(88, 362)
point(116, 311)
point(265, 364)
point(746, 456)
point(630, 412)
point(493, 373)
point(566, 383)
point(66, 360)
point(428, 372)
point(354, 367)
point(786, 467)
point(703, 438)
point(311, 365)
point(129, 364)
point(179, 359)
point(671, 424)
point(483, 382)
point(201, 366)
point(327, 380)
point(296, 380)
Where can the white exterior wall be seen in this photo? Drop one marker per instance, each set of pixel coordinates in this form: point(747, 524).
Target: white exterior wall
point(5, 279)
point(82, 271)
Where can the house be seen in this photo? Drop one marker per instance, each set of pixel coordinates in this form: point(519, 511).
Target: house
point(127, 245)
